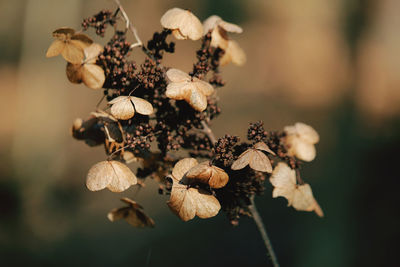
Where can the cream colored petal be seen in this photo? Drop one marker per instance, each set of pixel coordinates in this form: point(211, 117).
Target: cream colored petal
point(304, 200)
point(181, 203)
point(72, 54)
point(178, 35)
point(122, 179)
point(290, 130)
point(260, 162)
point(230, 27)
point(172, 18)
point(179, 91)
point(307, 133)
point(204, 87)
point(211, 23)
point(92, 52)
point(243, 160)
point(55, 48)
point(93, 76)
point(191, 26)
point(197, 100)
point(99, 176)
point(283, 179)
point(262, 146)
point(182, 167)
point(142, 106)
point(201, 172)
point(207, 205)
point(218, 39)
point(219, 178)
point(177, 76)
point(236, 53)
point(74, 72)
point(122, 108)
point(304, 151)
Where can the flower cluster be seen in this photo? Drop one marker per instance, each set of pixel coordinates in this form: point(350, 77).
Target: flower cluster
point(153, 110)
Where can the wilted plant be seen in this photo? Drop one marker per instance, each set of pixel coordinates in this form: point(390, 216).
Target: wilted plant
point(151, 105)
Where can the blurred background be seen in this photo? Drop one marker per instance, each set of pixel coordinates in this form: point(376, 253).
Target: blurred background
point(332, 64)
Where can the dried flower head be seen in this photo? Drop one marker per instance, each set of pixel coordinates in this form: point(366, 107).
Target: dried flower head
point(133, 214)
point(191, 89)
point(124, 107)
point(206, 173)
point(114, 175)
point(255, 158)
point(183, 24)
point(300, 197)
point(300, 140)
point(69, 44)
point(88, 72)
point(219, 31)
point(187, 202)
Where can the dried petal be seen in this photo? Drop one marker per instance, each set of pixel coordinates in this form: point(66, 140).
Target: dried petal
point(92, 52)
point(303, 199)
point(214, 21)
point(205, 173)
point(111, 174)
point(300, 140)
point(204, 87)
point(56, 47)
point(63, 32)
point(182, 167)
point(234, 54)
point(142, 106)
point(93, 76)
point(262, 146)
point(74, 72)
point(188, 25)
point(73, 54)
point(178, 91)
point(198, 100)
point(260, 162)
point(122, 108)
point(177, 76)
point(133, 214)
point(243, 160)
point(255, 158)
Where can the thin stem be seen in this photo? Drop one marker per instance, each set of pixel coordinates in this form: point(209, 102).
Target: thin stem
point(263, 232)
point(209, 132)
point(132, 28)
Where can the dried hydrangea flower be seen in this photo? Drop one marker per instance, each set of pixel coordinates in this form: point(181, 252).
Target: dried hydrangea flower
point(181, 86)
point(133, 214)
point(255, 158)
point(300, 197)
point(187, 202)
point(208, 174)
point(183, 24)
point(88, 72)
point(69, 44)
point(300, 140)
point(114, 175)
point(219, 29)
point(124, 107)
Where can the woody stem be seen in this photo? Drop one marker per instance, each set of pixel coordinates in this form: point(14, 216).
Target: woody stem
point(209, 132)
point(260, 225)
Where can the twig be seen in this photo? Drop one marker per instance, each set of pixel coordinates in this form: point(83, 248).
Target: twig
point(132, 28)
point(209, 132)
point(263, 232)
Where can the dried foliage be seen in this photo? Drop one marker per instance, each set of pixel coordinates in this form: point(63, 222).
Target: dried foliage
point(154, 110)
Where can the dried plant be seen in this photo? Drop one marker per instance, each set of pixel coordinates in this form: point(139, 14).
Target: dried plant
point(154, 110)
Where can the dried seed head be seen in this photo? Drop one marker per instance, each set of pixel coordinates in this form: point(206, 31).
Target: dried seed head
point(193, 90)
point(114, 175)
point(187, 202)
point(133, 214)
point(205, 173)
point(300, 140)
point(299, 197)
point(183, 24)
point(255, 158)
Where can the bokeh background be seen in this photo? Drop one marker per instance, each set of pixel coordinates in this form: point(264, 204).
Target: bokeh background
point(331, 64)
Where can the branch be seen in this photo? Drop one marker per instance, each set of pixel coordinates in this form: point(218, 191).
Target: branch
point(209, 132)
point(132, 28)
point(263, 232)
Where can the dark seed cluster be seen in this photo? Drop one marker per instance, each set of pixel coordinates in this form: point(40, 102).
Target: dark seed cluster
point(158, 44)
point(99, 21)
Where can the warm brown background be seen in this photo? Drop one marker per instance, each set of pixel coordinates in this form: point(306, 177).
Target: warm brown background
point(332, 64)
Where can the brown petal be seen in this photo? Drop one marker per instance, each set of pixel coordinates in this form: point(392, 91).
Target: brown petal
point(201, 172)
point(55, 48)
point(242, 161)
point(262, 146)
point(181, 203)
point(219, 178)
point(93, 76)
point(72, 54)
point(122, 108)
point(177, 76)
point(112, 174)
point(206, 204)
point(197, 100)
point(260, 162)
point(64, 31)
point(82, 40)
point(133, 214)
point(74, 72)
point(142, 106)
point(182, 167)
